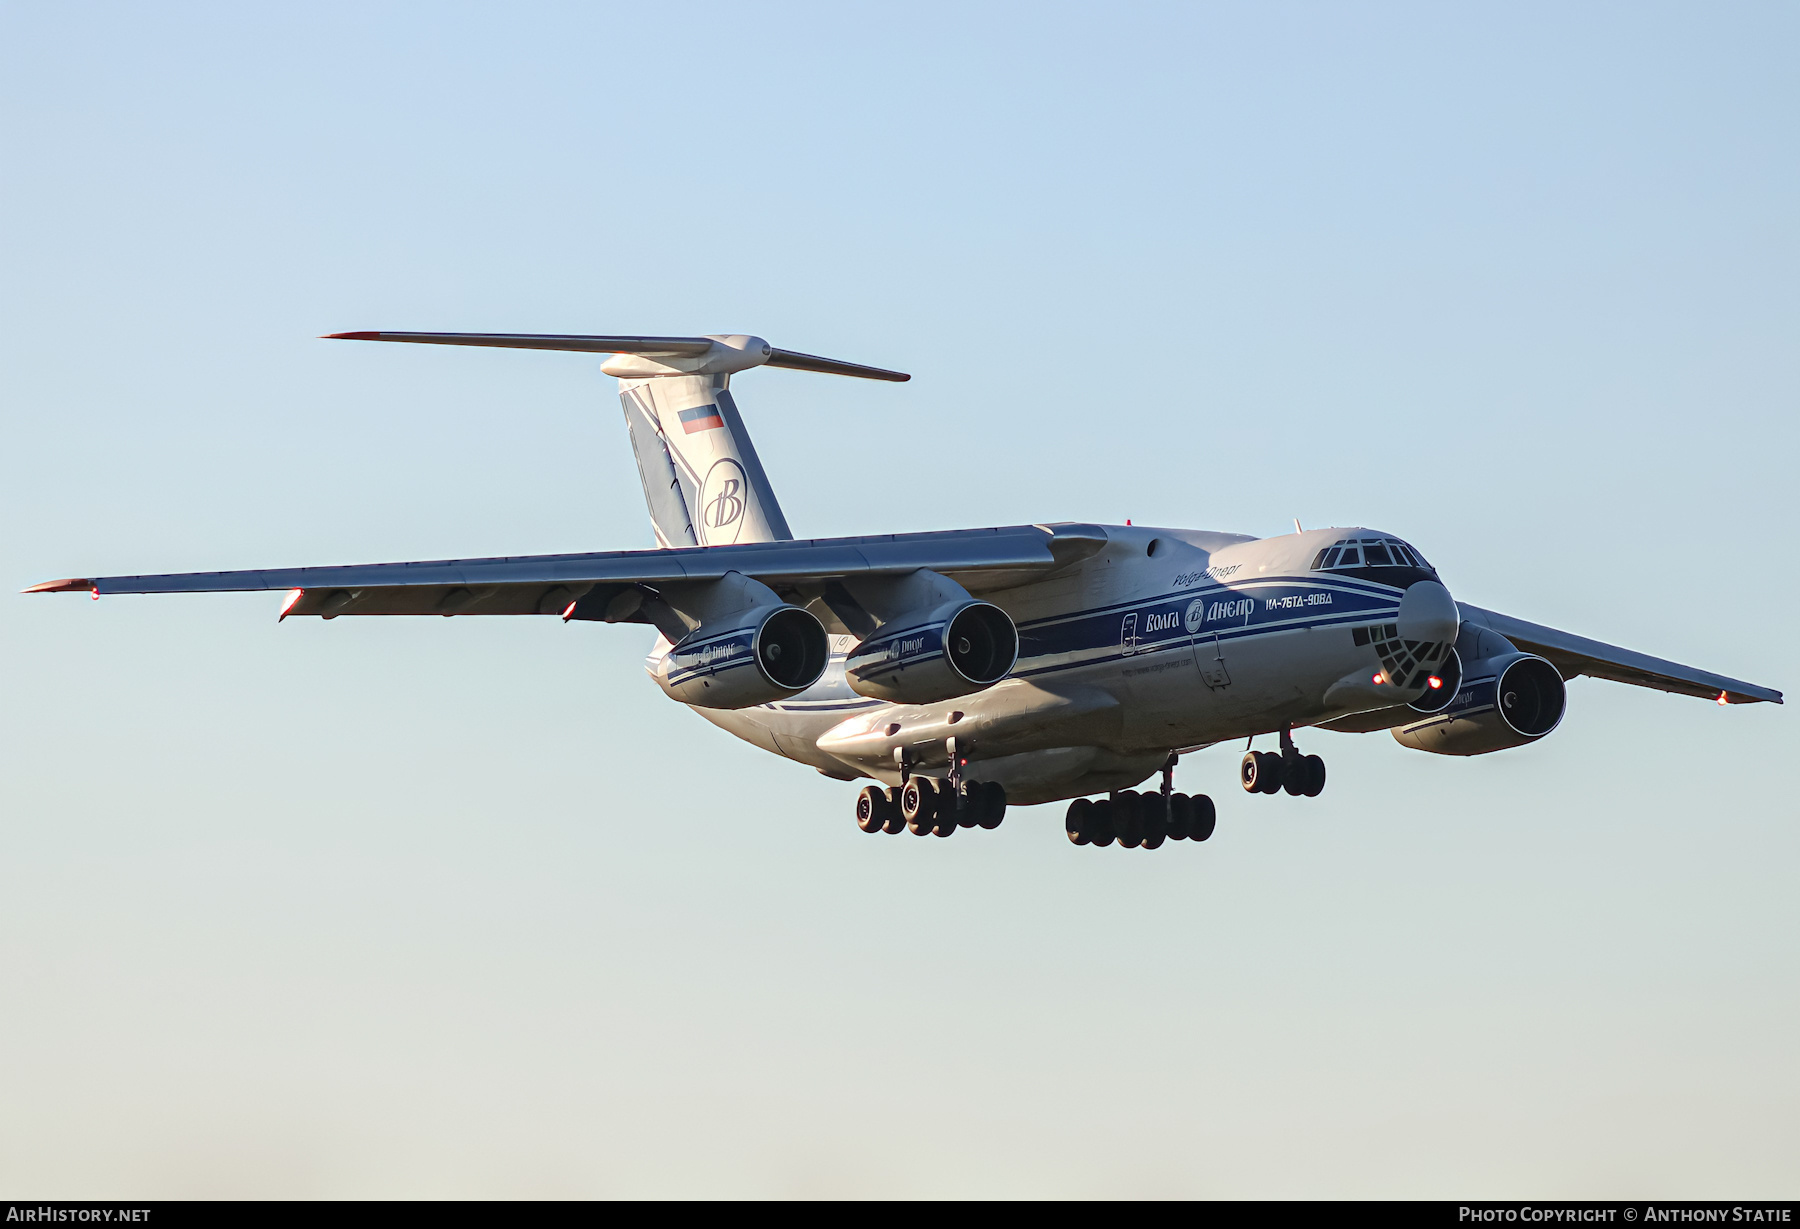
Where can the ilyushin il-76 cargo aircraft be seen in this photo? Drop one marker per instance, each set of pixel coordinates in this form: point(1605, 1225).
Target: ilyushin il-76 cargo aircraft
point(962, 670)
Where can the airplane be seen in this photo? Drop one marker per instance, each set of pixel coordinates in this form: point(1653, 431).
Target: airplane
point(965, 671)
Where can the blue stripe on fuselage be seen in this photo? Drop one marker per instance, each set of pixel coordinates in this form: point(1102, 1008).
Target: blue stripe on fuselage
point(1148, 625)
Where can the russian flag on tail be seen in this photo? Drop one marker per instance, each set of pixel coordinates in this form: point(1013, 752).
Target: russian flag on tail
point(700, 418)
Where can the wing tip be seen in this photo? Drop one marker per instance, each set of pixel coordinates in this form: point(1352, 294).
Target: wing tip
point(72, 585)
point(365, 335)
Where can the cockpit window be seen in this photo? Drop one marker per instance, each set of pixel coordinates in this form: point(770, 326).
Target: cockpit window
point(1369, 552)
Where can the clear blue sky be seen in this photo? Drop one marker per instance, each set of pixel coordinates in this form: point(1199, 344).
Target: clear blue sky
point(466, 907)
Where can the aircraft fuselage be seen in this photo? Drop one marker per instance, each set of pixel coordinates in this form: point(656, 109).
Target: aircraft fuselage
point(1163, 640)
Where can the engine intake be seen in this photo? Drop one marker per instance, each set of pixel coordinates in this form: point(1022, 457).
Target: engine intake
point(950, 651)
point(752, 657)
point(1503, 702)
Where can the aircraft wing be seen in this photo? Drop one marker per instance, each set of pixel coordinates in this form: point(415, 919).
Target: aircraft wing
point(581, 586)
point(1573, 655)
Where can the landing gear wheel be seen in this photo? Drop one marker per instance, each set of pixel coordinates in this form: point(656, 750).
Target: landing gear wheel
point(1101, 835)
point(919, 804)
point(1181, 817)
point(1260, 772)
point(1205, 818)
point(946, 823)
point(871, 808)
point(896, 822)
point(968, 804)
point(1295, 776)
point(993, 805)
point(1125, 819)
point(1153, 818)
point(1078, 823)
point(1315, 776)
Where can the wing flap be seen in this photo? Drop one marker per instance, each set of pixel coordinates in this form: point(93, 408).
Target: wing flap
point(1574, 655)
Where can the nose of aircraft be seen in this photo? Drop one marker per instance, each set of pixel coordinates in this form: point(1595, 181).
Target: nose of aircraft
point(1428, 613)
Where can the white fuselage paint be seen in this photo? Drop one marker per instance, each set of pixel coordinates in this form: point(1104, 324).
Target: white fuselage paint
point(1165, 640)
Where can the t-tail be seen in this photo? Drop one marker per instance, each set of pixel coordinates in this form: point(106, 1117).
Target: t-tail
point(703, 481)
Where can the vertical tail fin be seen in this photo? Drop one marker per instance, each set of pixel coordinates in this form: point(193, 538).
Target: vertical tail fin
point(702, 479)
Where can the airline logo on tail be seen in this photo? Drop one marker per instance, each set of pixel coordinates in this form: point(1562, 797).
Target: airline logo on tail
point(722, 502)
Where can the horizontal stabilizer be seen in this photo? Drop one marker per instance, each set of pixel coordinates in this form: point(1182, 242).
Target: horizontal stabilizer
point(719, 354)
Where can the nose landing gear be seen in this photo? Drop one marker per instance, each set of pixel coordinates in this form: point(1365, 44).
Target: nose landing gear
point(1265, 772)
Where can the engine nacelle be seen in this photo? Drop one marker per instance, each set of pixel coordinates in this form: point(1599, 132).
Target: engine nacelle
point(952, 650)
point(747, 658)
point(1504, 701)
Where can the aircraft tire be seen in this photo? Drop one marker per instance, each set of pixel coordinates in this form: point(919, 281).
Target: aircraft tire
point(969, 804)
point(1125, 819)
point(1102, 833)
point(1315, 776)
point(993, 804)
point(1295, 776)
point(946, 823)
point(1078, 822)
point(1153, 818)
point(871, 809)
point(1206, 818)
point(919, 803)
point(895, 822)
point(1181, 816)
point(1260, 772)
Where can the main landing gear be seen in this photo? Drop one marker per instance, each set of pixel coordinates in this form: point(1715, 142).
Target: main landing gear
point(1141, 820)
point(1265, 772)
point(929, 805)
point(926, 806)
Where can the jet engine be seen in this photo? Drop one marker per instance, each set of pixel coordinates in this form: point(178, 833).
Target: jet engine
point(768, 653)
point(736, 643)
point(952, 650)
point(1503, 701)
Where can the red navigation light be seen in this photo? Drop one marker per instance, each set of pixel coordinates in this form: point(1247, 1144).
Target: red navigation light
point(1380, 678)
point(1434, 682)
point(1722, 697)
point(568, 611)
point(96, 593)
point(293, 600)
